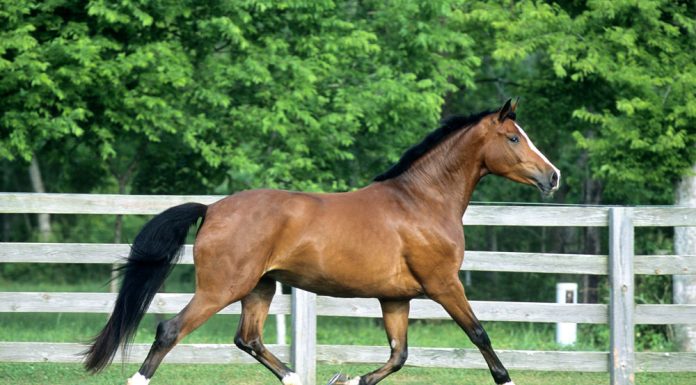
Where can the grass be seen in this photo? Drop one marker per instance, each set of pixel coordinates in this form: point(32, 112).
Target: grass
point(72, 374)
point(68, 327)
point(331, 330)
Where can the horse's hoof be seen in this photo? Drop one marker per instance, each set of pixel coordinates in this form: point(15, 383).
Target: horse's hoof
point(138, 379)
point(338, 379)
point(342, 379)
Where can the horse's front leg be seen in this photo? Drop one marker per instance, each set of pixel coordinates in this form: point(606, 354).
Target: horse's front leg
point(450, 294)
point(396, 325)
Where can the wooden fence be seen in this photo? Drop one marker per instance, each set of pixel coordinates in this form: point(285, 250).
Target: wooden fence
point(621, 265)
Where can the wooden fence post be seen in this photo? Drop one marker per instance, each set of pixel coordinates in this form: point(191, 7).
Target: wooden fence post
point(621, 301)
point(304, 335)
point(281, 328)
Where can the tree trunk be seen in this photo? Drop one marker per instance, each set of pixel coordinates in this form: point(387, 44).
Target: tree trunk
point(5, 187)
point(123, 177)
point(684, 286)
point(593, 241)
point(38, 186)
point(118, 233)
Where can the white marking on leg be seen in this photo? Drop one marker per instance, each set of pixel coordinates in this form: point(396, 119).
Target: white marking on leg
point(509, 383)
point(138, 379)
point(354, 381)
point(291, 379)
point(542, 156)
point(393, 343)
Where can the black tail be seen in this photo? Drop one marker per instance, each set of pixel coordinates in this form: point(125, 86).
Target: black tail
point(155, 251)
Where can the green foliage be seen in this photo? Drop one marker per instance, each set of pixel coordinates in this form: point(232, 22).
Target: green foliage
point(637, 127)
point(323, 95)
point(304, 95)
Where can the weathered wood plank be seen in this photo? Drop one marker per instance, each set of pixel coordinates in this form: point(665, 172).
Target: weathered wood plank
point(181, 354)
point(669, 216)
point(18, 252)
point(665, 264)
point(54, 302)
point(666, 362)
point(621, 280)
point(535, 262)
point(484, 310)
point(667, 314)
point(468, 358)
point(536, 216)
point(32, 203)
point(304, 335)
point(169, 303)
point(334, 354)
point(105, 253)
point(337, 354)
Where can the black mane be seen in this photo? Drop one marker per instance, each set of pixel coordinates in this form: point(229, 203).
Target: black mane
point(447, 127)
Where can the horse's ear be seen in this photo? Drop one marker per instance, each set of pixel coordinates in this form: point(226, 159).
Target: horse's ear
point(504, 111)
point(514, 105)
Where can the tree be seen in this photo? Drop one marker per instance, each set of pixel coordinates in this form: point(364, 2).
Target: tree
point(632, 72)
point(290, 94)
point(617, 75)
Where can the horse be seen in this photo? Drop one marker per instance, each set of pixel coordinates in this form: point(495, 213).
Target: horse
point(398, 238)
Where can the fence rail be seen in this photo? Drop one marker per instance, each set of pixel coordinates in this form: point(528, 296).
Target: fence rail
point(475, 260)
point(621, 266)
point(488, 215)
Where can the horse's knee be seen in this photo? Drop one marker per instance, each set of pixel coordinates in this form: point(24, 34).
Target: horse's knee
point(167, 333)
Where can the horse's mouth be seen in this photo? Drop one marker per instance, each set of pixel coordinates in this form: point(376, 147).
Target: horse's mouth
point(546, 190)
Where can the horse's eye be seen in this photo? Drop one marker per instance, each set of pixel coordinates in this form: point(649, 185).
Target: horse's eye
point(514, 139)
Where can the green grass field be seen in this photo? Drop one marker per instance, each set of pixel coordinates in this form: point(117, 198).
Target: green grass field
point(220, 329)
point(331, 330)
point(72, 374)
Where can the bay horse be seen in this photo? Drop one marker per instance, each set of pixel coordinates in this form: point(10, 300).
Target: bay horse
point(398, 238)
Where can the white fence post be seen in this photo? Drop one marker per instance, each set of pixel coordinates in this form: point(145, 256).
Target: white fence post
point(303, 347)
point(280, 320)
point(566, 332)
point(621, 301)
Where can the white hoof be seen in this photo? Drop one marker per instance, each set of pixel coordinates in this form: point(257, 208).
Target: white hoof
point(354, 381)
point(292, 379)
point(138, 379)
point(509, 383)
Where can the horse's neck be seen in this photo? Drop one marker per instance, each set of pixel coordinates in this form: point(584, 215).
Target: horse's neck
point(447, 175)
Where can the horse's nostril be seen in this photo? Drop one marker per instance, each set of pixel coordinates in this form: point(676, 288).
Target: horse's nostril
point(554, 179)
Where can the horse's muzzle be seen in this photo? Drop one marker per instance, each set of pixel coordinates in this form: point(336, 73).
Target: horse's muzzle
point(548, 182)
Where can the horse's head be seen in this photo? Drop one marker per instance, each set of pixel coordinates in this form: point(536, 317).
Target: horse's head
point(510, 153)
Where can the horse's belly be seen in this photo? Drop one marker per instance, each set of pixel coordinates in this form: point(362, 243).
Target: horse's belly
point(354, 282)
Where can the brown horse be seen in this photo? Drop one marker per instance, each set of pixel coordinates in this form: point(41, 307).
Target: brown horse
point(398, 238)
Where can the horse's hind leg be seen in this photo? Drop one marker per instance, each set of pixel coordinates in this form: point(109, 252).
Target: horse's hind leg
point(395, 315)
point(249, 333)
point(201, 307)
